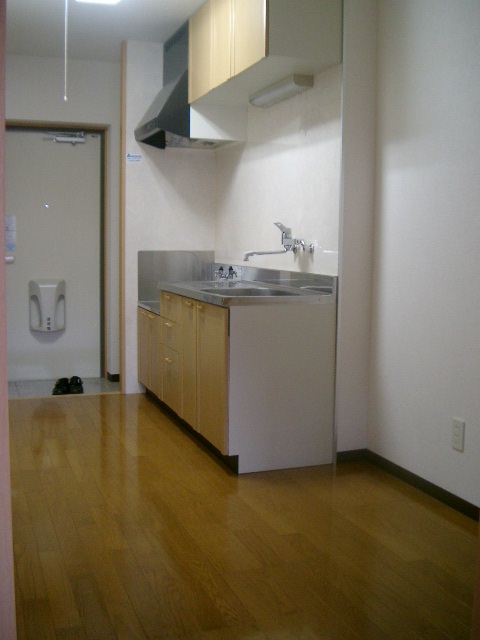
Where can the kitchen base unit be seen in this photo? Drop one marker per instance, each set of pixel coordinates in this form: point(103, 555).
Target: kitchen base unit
point(257, 381)
point(281, 386)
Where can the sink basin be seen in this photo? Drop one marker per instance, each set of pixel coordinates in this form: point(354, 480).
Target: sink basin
point(319, 289)
point(249, 292)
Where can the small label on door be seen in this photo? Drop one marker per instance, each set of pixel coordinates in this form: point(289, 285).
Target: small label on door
point(134, 157)
point(10, 233)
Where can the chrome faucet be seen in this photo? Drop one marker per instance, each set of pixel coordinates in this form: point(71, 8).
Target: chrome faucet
point(248, 254)
point(286, 231)
point(220, 273)
point(289, 244)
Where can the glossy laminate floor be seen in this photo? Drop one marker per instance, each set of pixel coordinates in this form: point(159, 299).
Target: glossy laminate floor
point(125, 527)
point(39, 388)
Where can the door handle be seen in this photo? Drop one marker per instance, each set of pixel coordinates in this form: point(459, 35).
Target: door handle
point(9, 259)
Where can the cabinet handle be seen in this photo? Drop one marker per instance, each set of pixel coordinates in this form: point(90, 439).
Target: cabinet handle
point(168, 324)
point(166, 296)
point(169, 360)
point(189, 304)
point(151, 316)
point(199, 306)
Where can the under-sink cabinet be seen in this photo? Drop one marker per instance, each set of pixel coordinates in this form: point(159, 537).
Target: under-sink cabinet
point(212, 373)
point(204, 346)
point(170, 357)
point(149, 371)
point(256, 381)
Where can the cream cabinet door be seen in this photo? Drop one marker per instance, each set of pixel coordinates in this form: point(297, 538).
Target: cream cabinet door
point(188, 343)
point(171, 379)
point(222, 41)
point(200, 52)
point(155, 356)
point(148, 356)
point(249, 33)
point(143, 360)
point(170, 306)
point(212, 374)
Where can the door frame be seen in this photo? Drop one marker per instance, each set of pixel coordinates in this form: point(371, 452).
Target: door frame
point(102, 130)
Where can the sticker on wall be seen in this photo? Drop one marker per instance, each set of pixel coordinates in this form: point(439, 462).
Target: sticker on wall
point(10, 233)
point(134, 157)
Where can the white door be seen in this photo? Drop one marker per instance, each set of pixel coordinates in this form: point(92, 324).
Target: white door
point(53, 197)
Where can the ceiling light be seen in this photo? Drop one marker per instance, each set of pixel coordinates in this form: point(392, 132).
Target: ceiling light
point(281, 90)
point(100, 1)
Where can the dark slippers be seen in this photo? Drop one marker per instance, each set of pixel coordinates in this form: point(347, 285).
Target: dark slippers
point(61, 387)
point(64, 386)
point(75, 385)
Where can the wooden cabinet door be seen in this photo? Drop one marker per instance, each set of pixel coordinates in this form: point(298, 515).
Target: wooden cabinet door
point(222, 41)
point(170, 306)
point(188, 343)
point(249, 33)
point(212, 374)
point(148, 355)
point(155, 356)
point(171, 380)
point(142, 346)
point(200, 53)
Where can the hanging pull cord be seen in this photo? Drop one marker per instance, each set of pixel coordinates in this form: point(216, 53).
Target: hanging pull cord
point(65, 53)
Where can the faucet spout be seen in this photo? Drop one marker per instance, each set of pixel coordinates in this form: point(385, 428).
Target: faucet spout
point(288, 243)
point(248, 254)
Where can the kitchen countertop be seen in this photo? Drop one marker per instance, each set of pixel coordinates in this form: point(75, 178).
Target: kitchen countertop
point(297, 295)
point(150, 305)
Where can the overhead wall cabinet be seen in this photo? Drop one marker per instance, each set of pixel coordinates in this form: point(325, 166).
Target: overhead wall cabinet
point(237, 47)
point(200, 52)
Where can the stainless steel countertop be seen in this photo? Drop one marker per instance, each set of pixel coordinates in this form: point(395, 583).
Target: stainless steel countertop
point(150, 305)
point(223, 299)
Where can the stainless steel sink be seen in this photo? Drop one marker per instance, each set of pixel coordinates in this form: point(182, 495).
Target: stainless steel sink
point(319, 289)
point(227, 292)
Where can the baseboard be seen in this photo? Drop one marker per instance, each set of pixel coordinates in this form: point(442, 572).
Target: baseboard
point(113, 377)
point(352, 456)
point(231, 462)
point(442, 495)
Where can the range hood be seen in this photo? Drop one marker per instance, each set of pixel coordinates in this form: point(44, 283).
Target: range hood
point(167, 121)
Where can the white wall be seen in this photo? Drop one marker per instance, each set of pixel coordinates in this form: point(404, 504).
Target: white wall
point(425, 359)
point(169, 194)
point(356, 222)
point(288, 171)
point(34, 93)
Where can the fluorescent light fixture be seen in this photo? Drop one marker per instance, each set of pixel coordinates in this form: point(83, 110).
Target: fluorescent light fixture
point(281, 90)
point(100, 1)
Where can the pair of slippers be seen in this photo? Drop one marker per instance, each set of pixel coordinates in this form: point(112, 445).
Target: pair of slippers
point(64, 386)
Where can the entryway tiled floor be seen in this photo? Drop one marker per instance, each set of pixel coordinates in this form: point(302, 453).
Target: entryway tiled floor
point(32, 388)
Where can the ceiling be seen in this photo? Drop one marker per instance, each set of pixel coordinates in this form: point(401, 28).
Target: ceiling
point(95, 32)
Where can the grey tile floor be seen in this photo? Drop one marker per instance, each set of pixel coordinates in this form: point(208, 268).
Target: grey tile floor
point(35, 388)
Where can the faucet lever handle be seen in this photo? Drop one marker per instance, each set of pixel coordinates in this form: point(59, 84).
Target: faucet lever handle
point(286, 231)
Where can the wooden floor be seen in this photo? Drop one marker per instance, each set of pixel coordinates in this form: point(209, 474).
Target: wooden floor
point(124, 527)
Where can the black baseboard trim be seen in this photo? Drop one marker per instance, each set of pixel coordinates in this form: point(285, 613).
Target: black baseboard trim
point(231, 462)
point(113, 377)
point(442, 495)
point(352, 456)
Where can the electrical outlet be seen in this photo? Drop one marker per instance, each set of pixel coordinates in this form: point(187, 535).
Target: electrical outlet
point(458, 434)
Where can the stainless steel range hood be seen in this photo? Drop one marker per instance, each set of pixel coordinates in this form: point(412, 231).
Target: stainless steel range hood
point(167, 121)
